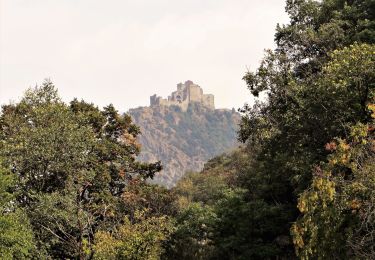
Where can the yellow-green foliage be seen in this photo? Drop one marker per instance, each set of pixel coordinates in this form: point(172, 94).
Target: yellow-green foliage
point(338, 209)
point(141, 239)
point(16, 237)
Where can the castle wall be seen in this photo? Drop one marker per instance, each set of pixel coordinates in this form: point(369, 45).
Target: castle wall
point(195, 93)
point(153, 100)
point(208, 101)
point(186, 93)
point(177, 96)
point(184, 105)
point(163, 102)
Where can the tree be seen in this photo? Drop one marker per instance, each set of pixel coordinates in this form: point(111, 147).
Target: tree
point(141, 238)
point(72, 164)
point(192, 236)
point(16, 236)
point(310, 99)
point(338, 210)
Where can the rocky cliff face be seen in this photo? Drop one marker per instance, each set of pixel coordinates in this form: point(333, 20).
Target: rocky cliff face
point(184, 141)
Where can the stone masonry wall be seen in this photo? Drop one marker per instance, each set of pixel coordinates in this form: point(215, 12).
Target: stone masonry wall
point(186, 93)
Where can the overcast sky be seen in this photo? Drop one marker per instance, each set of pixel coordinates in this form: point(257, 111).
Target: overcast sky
point(123, 51)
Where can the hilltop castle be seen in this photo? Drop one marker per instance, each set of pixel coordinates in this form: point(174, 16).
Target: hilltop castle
point(186, 93)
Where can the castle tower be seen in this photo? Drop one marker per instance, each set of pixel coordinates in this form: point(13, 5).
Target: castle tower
point(153, 100)
point(185, 94)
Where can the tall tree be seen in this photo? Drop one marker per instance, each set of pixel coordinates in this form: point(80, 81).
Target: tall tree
point(338, 209)
point(72, 164)
point(301, 109)
point(16, 236)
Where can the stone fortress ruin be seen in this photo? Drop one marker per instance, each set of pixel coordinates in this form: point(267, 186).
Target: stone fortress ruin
point(186, 93)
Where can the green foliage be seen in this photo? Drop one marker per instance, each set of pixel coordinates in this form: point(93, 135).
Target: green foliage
point(253, 200)
point(141, 239)
point(156, 200)
point(318, 27)
point(76, 191)
point(191, 238)
point(6, 185)
point(16, 236)
point(338, 209)
point(217, 219)
point(318, 83)
point(71, 165)
point(197, 195)
point(246, 230)
point(184, 140)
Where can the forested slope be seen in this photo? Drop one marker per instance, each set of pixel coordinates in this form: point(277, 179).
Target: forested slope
point(306, 189)
point(184, 141)
point(302, 185)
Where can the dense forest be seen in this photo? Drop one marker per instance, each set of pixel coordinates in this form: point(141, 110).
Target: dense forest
point(302, 185)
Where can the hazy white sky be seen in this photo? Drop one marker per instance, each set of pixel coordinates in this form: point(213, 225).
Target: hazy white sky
point(123, 51)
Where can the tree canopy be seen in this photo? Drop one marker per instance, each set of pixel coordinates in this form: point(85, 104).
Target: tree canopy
point(72, 164)
point(302, 185)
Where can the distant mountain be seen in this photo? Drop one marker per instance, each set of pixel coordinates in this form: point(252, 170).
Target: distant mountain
point(184, 131)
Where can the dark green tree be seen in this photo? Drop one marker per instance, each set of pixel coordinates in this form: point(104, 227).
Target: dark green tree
point(72, 164)
point(337, 210)
point(16, 236)
point(305, 102)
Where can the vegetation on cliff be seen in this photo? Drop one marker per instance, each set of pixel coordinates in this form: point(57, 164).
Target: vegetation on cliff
point(302, 185)
point(184, 141)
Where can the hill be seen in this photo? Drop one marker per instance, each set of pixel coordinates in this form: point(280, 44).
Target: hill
point(184, 140)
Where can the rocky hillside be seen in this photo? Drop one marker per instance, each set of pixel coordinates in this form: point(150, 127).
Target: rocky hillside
point(184, 141)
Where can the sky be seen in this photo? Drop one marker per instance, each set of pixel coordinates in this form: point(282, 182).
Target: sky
point(124, 51)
